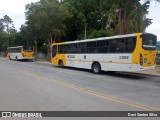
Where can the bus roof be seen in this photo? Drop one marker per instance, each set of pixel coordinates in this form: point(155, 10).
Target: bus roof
point(15, 47)
point(101, 38)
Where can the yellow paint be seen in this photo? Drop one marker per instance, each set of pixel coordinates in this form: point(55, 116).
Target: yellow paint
point(8, 55)
point(58, 57)
point(27, 54)
point(136, 53)
point(150, 55)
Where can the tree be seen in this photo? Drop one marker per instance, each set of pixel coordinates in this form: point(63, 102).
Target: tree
point(126, 16)
point(84, 13)
point(1, 26)
point(46, 17)
point(7, 33)
point(7, 25)
point(45, 20)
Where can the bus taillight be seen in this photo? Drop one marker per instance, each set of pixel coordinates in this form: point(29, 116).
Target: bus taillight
point(141, 59)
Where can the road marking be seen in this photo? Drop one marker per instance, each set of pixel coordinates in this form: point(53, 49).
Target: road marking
point(55, 69)
point(91, 92)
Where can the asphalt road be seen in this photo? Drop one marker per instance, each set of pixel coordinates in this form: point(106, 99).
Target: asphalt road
point(38, 86)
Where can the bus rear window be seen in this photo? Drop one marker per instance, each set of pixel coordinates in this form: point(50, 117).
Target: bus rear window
point(28, 49)
point(149, 41)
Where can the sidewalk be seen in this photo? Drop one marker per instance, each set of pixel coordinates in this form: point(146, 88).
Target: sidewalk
point(154, 72)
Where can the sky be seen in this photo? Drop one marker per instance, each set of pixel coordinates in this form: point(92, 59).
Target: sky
point(15, 10)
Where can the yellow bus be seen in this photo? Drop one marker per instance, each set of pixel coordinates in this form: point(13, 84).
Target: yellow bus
point(20, 53)
point(130, 52)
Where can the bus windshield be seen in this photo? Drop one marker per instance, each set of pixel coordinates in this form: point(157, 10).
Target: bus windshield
point(149, 41)
point(28, 49)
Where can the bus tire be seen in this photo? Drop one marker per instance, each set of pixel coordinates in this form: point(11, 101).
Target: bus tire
point(16, 58)
point(96, 67)
point(60, 63)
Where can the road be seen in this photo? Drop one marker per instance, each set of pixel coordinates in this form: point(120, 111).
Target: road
point(38, 86)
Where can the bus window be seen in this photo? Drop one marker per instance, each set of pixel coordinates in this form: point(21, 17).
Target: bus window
point(27, 49)
point(60, 49)
point(149, 41)
point(91, 47)
point(54, 51)
point(113, 46)
point(73, 48)
point(81, 47)
point(130, 44)
point(102, 46)
point(66, 48)
point(120, 46)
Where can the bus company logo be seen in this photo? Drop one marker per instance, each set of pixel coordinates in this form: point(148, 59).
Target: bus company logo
point(6, 114)
point(70, 56)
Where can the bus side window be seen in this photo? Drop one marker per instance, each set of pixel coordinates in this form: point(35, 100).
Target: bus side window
point(91, 47)
point(19, 50)
point(102, 46)
point(81, 47)
point(73, 48)
point(113, 46)
point(130, 44)
point(60, 49)
point(54, 51)
point(66, 48)
point(120, 45)
point(16, 50)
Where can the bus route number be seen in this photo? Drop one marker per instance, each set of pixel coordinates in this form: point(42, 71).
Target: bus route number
point(123, 57)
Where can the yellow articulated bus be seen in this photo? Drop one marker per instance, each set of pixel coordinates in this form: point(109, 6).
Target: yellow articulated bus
point(20, 53)
point(130, 52)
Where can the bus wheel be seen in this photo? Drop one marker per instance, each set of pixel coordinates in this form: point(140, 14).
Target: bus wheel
point(60, 63)
point(96, 67)
point(16, 58)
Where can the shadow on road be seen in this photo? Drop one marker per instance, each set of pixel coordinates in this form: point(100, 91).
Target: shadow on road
point(127, 75)
point(25, 60)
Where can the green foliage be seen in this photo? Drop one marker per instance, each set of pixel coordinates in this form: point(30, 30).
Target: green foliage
point(7, 33)
point(43, 49)
point(4, 46)
point(96, 34)
point(45, 19)
point(100, 33)
point(66, 20)
point(3, 41)
point(116, 16)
